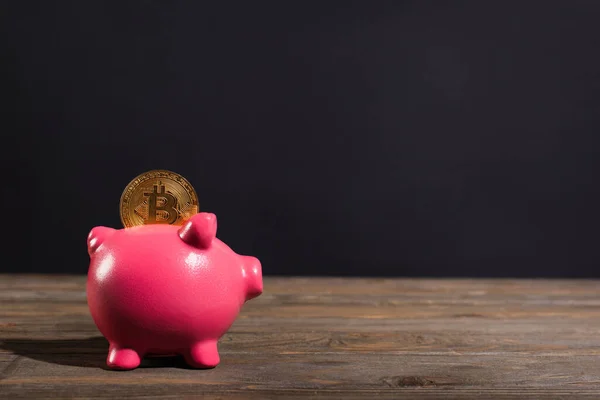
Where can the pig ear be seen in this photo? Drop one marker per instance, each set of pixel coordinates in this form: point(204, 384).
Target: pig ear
point(97, 236)
point(200, 230)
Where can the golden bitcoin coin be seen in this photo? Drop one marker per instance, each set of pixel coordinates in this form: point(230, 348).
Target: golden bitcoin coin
point(158, 197)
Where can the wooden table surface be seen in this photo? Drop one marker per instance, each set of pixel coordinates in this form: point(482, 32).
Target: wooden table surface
point(325, 338)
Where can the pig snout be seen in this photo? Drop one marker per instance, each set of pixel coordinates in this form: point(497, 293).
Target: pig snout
point(252, 272)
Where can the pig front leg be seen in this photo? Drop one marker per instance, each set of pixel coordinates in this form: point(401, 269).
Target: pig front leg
point(122, 357)
point(203, 354)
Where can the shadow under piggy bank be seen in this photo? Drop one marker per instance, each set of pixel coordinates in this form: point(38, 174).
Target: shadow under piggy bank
point(88, 353)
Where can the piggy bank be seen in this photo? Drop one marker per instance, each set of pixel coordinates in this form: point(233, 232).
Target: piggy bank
point(167, 290)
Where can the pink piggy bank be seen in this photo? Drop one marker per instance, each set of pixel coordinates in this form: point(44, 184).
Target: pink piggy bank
point(166, 290)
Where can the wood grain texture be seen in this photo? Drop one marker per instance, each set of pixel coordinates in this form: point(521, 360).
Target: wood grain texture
point(325, 338)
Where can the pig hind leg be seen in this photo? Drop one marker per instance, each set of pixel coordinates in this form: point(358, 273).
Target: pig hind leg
point(203, 354)
point(122, 357)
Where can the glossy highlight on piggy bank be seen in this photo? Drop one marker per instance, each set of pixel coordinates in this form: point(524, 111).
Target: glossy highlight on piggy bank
point(166, 290)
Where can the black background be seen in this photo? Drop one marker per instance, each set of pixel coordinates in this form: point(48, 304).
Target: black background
point(410, 138)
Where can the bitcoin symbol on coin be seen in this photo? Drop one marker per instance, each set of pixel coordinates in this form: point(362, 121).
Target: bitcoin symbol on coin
point(168, 206)
point(158, 197)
